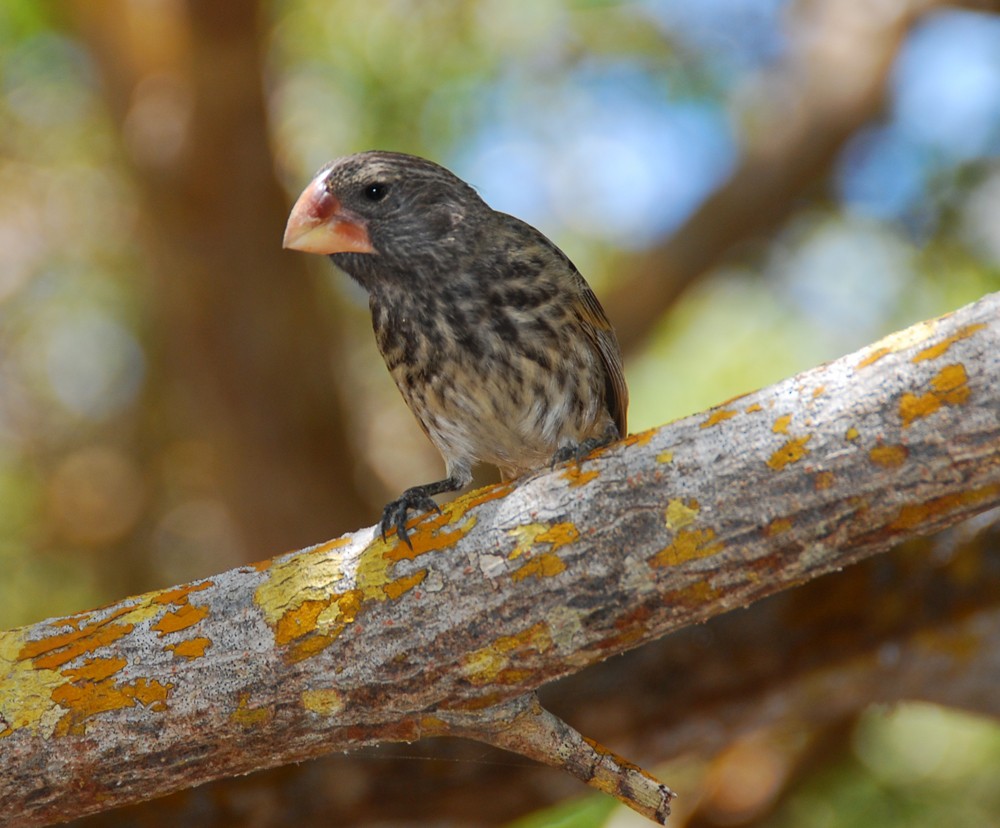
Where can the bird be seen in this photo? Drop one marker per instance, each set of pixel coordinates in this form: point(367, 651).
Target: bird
point(497, 344)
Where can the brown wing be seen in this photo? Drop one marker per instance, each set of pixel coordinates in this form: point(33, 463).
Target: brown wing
point(602, 335)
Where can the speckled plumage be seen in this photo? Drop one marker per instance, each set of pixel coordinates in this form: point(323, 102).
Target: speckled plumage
point(494, 339)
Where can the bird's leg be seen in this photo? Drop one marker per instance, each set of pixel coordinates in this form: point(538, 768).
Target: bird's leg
point(577, 451)
point(418, 498)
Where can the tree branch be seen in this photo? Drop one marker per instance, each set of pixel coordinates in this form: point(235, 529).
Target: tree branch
point(360, 641)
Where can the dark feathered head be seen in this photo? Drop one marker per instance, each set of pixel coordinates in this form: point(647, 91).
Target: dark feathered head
point(378, 213)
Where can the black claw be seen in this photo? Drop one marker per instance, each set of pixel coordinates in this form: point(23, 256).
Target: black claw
point(418, 499)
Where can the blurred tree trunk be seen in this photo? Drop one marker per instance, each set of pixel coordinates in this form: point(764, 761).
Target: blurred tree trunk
point(242, 355)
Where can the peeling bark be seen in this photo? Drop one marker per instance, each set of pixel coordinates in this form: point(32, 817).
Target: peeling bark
point(359, 641)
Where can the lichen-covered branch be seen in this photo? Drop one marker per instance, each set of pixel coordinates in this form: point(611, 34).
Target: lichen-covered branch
point(359, 641)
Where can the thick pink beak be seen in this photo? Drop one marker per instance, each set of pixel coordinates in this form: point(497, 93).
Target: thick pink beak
point(317, 224)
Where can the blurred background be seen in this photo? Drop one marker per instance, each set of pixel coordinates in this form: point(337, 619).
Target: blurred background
point(751, 186)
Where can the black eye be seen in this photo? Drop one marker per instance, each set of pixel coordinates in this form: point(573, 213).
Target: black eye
point(375, 192)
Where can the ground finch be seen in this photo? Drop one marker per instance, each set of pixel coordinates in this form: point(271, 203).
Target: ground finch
point(495, 341)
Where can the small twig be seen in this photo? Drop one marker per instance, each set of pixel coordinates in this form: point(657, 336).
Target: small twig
point(523, 726)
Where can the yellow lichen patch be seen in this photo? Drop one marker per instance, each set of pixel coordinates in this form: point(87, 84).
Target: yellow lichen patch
point(95, 669)
point(541, 566)
point(778, 526)
point(718, 416)
point(491, 663)
point(25, 689)
point(949, 387)
point(680, 514)
point(313, 617)
point(35, 693)
point(326, 702)
point(84, 700)
point(665, 457)
point(577, 477)
point(688, 544)
point(935, 351)
point(524, 535)
point(307, 576)
point(819, 391)
point(179, 595)
point(191, 648)
point(851, 434)
point(301, 600)
point(781, 424)
point(246, 716)
point(186, 616)
point(888, 457)
point(751, 409)
point(823, 480)
point(873, 357)
point(899, 341)
point(791, 452)
point(916, 515)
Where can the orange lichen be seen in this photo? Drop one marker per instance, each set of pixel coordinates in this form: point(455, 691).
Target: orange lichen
point(299, 621)
point(935, 351)
point(873, 357)
point(191, 648)
point(753, 408)
point(398, 588)
point(95, 669)
point(577, 477)
point(781, 424)
point(541, 566)
point(186, 616)
point(791, 452)
point(640, 439)
point(851, 434)
point(688, 544)
point(818, 391)
point(949, 387)
point(718, 416)
point(888, 457)
point(56, 650)
point(558, 534)
point(83, 700)
point(179, 595)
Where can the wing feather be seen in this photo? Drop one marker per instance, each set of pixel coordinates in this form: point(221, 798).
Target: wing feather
point(602, 336)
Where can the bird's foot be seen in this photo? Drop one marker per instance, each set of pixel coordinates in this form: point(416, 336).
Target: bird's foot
point(577, 451)
point(395, 513)
point(417, 498)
